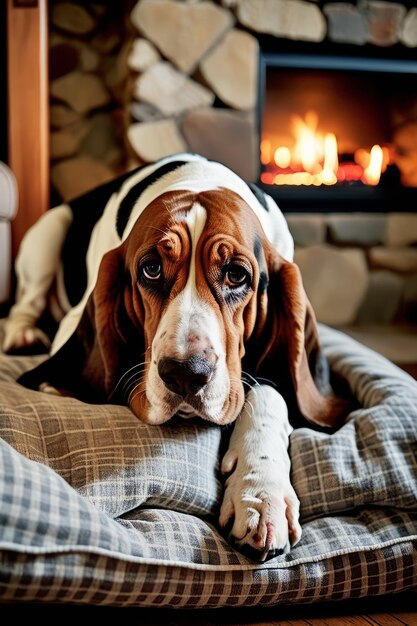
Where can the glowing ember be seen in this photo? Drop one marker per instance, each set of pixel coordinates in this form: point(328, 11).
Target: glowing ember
point(314, 158)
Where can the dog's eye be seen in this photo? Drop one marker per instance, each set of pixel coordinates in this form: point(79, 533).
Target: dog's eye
point(152, 270)
point(236, 275)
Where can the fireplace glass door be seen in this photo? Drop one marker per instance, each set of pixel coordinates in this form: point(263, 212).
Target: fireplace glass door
point(340, 131)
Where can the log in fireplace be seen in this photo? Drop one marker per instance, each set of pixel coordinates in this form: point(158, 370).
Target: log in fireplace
point(338, 132)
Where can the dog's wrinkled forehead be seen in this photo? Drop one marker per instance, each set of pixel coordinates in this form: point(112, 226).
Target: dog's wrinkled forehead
point(193, 217)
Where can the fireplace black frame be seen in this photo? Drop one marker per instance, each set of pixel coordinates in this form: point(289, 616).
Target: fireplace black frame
point(340, 198)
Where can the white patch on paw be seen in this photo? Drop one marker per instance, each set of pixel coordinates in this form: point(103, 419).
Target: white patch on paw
point(259, 499)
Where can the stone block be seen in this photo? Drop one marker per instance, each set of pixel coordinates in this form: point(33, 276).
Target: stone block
point(72, 18)
point(80, 91)
point(307, 229)
point(346, 24)
point(291, 19)
point(76, 176)
point(409, 29)
point(154, 140)
point(363, 229)
point(401, 229)
point(397, 259)
point(89, 58)
point(61, 116)
point(231, 69)
point(66, 141)
point(182, 31)
point(104, 140)
point(382, 298)
point(170, 91)
point(385, 22)
point(226, 136)
point(335, 281)
point(142, 55)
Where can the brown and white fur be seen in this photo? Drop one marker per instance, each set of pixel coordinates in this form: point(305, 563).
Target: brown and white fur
point(191, 294)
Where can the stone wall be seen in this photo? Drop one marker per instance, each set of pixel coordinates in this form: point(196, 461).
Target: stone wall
point(358, 268)
point(88, 47)
point(195, 84)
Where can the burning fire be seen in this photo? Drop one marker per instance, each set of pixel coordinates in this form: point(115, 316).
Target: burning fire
point(314, 159)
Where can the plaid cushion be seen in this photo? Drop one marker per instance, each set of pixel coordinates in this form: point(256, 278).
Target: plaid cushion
point(60, 541)
point(371, 460)
point(106, 453)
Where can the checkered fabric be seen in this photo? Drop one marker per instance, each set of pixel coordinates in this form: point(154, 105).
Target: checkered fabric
point(97, 508)
point(107, 454)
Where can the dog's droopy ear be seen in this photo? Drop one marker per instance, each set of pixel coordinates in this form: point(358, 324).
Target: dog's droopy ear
point(89, 364)
point(285, 347)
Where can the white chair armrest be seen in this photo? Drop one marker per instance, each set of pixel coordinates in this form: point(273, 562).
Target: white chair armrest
point(8, 210)
point(8, 193)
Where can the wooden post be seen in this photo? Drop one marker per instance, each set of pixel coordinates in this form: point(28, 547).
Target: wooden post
point(28, 110)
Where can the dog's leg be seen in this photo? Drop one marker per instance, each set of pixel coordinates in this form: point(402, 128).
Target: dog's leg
point(36, 268)
point(259, 497)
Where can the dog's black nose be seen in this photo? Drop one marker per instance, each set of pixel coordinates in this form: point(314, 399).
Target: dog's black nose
point(185, 377)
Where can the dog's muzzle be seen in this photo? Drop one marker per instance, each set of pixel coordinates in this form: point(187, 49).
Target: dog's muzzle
point(185, 377)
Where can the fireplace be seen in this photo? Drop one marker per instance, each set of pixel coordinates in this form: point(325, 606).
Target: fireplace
point(338, 132)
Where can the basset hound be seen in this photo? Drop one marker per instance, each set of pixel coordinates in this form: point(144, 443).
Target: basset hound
point(177, 295)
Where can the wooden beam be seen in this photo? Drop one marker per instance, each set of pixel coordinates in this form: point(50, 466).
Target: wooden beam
point(28, 110)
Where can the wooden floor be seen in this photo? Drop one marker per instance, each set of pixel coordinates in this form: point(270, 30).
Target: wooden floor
point(369, 613)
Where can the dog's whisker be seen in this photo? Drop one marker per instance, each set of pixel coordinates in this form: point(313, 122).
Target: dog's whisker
point(267, 381)
point(130, 398)
point(136, 366)
point(249, 405)
point(138, 393)
point(129, 370)
point(133, 379)
point(127, 391)
point(134, 385)
point(241, 381)
point(249, 376)
point(235, 383)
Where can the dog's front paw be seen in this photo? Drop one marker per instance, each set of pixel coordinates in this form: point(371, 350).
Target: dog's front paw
point(261, 508)
point(25, 340)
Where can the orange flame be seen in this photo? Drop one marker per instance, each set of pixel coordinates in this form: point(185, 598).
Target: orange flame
point(372, 173)
point(314, 159)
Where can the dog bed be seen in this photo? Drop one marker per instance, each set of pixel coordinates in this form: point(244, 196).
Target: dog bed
point(98, 508)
